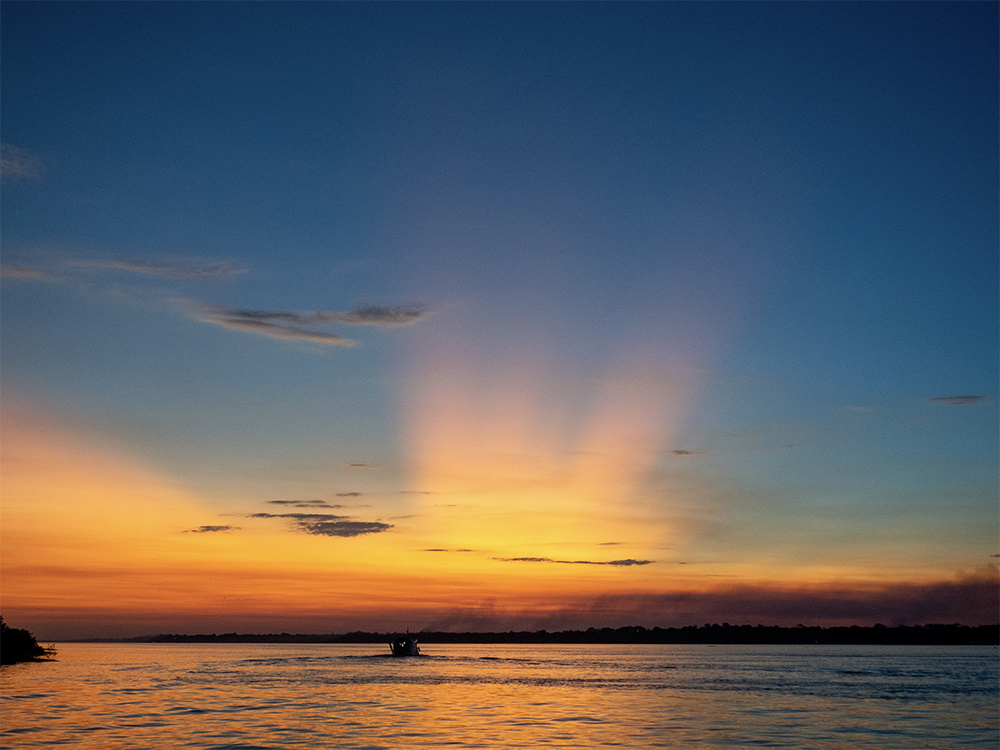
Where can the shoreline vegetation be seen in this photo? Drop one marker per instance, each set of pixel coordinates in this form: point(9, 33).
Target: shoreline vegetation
point(18, 645)
point(930, 635)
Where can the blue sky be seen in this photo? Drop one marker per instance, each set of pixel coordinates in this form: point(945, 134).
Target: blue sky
point(754, 244)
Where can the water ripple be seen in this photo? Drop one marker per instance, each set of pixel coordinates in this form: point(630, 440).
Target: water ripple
point(276, 697)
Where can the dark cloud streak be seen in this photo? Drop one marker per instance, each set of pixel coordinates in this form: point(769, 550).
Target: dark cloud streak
point(441, 549)
point(615, 563)
point(958, 400)
point(345, 528)
point(328, 524)
point(301, 326)
point(211, 529)
point(276, 325)
point(299, 516)
point(373, 315)
point(304, 503)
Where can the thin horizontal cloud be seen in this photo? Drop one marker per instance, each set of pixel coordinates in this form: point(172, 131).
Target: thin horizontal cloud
point(176, 271)
point(65, 270)
point(277, 325)
point(345, 528)
point(327, 524)
point(211, 529)
point(614, 563)
point(299, 516)
point(442, 549)
point(18, 163)
point(687, 453)
point(303, 503)
point(373, 315)
point(360, 465)
point(303, 326)
point(348, 494)
point(958, 400)
point(22, 272)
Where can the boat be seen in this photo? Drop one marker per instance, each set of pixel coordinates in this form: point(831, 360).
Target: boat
point(404, 645)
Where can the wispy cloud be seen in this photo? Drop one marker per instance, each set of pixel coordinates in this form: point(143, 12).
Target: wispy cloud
point(304, 503)
point(361, 465)
point(615, 563)
point(442, 549)
point(345, 528)
point(212, 529)
point(18, 163)
point(348, 494)
point(310, 326)
point(70, 269)
point(373, 315)
point(177, 271)
point(327, 524)
point(278, 325)
point(687, 453)
point(958, 400)
point(303, 326)
point(23, 272)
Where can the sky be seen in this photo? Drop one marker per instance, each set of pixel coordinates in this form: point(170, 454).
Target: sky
point(321, 317)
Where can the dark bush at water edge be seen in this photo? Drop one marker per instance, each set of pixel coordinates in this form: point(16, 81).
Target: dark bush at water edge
point(17, 645)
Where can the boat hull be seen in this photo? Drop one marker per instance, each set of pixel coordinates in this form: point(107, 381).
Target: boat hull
point(404, 647)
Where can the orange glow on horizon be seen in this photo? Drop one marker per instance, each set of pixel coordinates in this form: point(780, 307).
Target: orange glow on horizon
point(90, 534)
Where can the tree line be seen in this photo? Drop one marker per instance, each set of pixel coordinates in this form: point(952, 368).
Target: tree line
point(710, 633)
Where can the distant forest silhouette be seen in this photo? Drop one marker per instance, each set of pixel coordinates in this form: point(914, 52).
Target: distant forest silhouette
point(725, 633)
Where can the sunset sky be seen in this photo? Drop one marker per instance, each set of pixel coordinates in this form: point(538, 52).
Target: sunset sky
point(469, 316)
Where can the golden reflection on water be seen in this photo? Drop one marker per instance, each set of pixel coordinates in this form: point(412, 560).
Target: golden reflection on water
point(326, 696)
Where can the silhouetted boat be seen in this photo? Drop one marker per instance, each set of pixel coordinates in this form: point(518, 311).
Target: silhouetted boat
point(404, 645)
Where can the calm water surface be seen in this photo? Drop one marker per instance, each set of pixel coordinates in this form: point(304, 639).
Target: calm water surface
point(460, 696)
